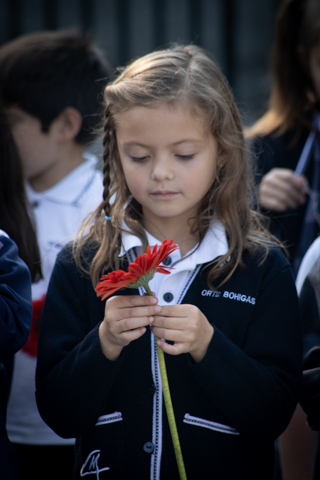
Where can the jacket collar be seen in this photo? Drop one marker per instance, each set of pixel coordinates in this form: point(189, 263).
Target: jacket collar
point(212, 246)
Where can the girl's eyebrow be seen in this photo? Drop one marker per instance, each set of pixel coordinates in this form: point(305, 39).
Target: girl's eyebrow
point(179, 142)
point(134, 144)
point(188, 140)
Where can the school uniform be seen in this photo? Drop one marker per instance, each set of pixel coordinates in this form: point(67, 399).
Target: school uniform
point(58, 212)
point(229, 407)
point(15, 322)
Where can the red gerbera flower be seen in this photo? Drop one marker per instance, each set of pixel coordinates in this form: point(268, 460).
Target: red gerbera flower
point(139, 272)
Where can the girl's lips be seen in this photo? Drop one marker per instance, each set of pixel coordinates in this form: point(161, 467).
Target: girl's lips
point(163, 194)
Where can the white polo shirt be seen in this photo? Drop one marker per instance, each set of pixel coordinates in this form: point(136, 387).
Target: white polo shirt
point(59, 212)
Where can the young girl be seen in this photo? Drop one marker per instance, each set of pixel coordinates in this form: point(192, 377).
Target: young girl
point(175, 168)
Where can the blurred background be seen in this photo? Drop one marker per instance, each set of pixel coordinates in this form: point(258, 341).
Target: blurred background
point(238, 33)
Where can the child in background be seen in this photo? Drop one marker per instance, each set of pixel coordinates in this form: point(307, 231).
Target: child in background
point(286, 146)
point(51, 89)
point(285, 140)
point(175, 167)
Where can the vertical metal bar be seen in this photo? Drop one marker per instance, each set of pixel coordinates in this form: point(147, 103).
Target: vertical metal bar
point(123, 20)
point(195, 21)
point(50, 14)
point(159, 16)
point(86, 15)
point(228, 14)
point(15, 15)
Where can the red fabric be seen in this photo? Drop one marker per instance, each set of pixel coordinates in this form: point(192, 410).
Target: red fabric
point(31, 345)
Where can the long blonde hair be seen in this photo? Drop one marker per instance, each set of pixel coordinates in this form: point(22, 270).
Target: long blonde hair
point(180, 73)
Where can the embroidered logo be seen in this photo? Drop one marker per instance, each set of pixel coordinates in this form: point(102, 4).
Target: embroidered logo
point(91, 467)
point(239, 297)
point(210, 293)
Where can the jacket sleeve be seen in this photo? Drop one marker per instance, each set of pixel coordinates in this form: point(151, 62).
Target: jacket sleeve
point(310, 398)
point(256, 384)
point(310, 310)
point(72, 372)
point(15, 299)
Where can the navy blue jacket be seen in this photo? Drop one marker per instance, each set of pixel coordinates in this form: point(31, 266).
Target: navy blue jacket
point(229, 408)
point(15, 322)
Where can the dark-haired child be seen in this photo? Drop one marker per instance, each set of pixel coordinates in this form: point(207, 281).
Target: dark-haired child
point(51, 90)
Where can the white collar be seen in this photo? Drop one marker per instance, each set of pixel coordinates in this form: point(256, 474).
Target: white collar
point(212, 246)
point(61, 192)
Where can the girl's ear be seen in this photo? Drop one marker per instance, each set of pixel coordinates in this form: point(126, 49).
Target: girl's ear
point(69, 124)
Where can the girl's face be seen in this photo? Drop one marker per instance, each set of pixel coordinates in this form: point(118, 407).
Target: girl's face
point(168, 159)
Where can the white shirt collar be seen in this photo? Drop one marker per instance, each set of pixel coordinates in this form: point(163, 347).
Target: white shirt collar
point(61, 192)
point(212, 246)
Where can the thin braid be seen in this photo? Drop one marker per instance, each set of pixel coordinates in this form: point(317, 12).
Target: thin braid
point(108, 145)
point(103, 234)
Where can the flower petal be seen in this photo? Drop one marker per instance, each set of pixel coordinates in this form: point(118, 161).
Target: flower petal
point(139, 272)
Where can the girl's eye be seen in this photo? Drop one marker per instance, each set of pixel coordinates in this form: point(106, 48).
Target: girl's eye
point(138, 159)
point(186, 157)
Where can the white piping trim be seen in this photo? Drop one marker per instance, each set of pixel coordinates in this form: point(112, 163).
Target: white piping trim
point(157, 413)
point(109, 418)
point(189, 280)
point(201, 422)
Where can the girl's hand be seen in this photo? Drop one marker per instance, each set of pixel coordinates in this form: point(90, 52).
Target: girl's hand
point(281, 189)
point(125, 320)
point(187, 327)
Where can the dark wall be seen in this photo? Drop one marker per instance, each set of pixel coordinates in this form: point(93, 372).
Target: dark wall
point(237, 32)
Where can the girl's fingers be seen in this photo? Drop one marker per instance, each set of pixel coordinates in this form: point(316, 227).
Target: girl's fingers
point(126, 314)
point(129, 307)
point(130, 335)
point(129, 324)
point(175, 349)
point(125, 301)
point(188, 331)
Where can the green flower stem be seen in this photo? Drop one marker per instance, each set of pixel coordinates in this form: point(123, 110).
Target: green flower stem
point(170, 414)
point(168, 403)
point(147, 289)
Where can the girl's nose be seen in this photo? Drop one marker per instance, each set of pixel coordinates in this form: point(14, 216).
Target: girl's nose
point(162, 168)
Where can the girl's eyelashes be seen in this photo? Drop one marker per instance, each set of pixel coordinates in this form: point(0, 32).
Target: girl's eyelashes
point(186, 157)
point(139, 159)
point(145, 157)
